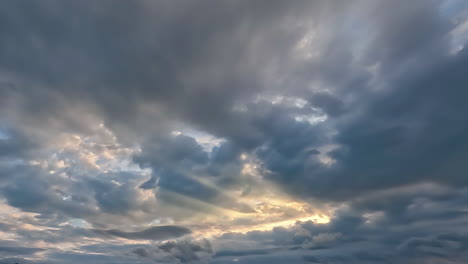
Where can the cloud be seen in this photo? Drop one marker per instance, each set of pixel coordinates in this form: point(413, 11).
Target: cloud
point(184, 251)
point(365, 234)
point(398, 151)
point(19, 250)
point(152, 233)
point(177, 160)
point(191, 121)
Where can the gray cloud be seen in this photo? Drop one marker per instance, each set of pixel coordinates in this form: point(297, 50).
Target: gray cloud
point(355, 236)
point(19, 250)
point(152, 233)
point(176, 160)
point(358, 106)
point(184, 251)
point(389, 144)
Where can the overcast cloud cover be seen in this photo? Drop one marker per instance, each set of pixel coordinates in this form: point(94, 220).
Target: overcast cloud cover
point(234, 132)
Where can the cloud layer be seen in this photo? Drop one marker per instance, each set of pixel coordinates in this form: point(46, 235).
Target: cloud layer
point(222, 131)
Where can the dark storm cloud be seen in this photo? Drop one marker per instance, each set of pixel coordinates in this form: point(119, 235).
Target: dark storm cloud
point(116, 56)
point(176, 160)
point(152, 233)
point(184, 251)
point(354, 103)
point(32, 188)
point(14, 145)
point(330, 104)
point(19, 250)
point(192, 188)
point(187, 251)
point(412, 133)
point(140, 252)
point(355, 236)
point(91, 59)
point(179, 150)
point(113, 198)
point(29, 188)
point(22, 260)
point(311, 259)
point(230, 253)
point(417, 31)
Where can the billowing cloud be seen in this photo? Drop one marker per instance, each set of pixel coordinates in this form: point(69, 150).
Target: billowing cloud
point(221, 131)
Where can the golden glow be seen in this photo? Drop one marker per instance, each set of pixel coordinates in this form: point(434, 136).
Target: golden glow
point(270, 213)
point(270, 206)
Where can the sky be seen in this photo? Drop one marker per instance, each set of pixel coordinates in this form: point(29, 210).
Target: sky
point(219, 131)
